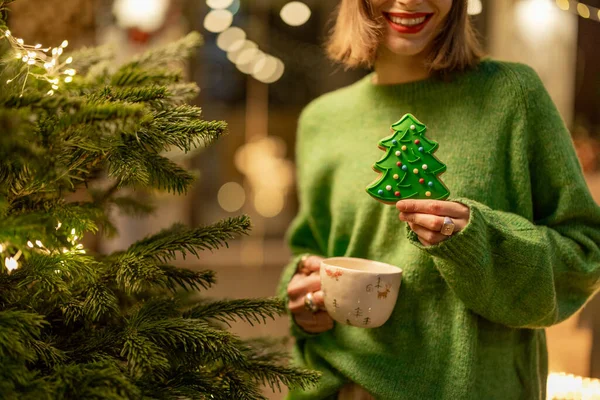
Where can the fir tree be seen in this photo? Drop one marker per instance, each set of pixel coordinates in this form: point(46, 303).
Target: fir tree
point(75, 325)
point(409, 170)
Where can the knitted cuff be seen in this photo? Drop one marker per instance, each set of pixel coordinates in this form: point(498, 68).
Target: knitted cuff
point(465, 249)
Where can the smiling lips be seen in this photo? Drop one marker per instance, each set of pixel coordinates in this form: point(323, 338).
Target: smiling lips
point(407, 23)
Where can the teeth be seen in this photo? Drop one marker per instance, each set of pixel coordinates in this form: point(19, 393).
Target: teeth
point(407, 21)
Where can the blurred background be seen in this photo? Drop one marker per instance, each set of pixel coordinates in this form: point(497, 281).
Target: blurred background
point(261, 63)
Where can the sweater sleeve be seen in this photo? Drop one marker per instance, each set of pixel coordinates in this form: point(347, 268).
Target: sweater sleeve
point(301, 235)
point(529, 272)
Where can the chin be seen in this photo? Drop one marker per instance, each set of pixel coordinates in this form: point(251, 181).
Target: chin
point(404, 48)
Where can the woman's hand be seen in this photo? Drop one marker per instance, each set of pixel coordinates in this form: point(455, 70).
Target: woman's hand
point(306, 280)
point(426, 218)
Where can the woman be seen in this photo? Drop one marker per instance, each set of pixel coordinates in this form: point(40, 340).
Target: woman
point(523, 255)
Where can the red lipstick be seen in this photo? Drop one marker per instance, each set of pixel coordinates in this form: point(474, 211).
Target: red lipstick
point(406, 28)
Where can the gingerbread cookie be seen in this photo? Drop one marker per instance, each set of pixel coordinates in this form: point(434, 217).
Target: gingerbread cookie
point(409, 170)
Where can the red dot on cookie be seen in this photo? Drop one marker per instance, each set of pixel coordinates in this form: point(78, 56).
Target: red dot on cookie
point(397, 194)
point(421, 180)
point(399, 164)
point(417, 141)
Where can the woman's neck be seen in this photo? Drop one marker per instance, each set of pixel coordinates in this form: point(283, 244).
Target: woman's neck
point(391, 68)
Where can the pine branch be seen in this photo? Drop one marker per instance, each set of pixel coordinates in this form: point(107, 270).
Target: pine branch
point(129, 205)
point(86, 57)
point(239, 388)
point(131, 76)
point(183, 383)
point(90, 113)
point(48, 355)
point(249, 310)
point(180, 127)
point(132, 94)
point(192, 340)
point(98, 380)
point(17, 330)
point(143, 356)
point(187, 279)
point(163, 56)
point(100, 302)
point(181, 93)
point(133, 166)
point(273, 375)
point(164, 245)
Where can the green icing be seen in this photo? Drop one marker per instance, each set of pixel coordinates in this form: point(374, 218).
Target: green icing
point(394, 179)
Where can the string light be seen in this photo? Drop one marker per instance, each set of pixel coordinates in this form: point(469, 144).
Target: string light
point(45, 59)
point(11, 263)
point(581, 9)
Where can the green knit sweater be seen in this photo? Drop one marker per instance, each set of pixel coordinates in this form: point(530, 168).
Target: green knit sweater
point(470, 317)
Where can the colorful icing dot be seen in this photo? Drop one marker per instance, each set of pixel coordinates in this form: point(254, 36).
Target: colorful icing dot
point(416, 171)
point(397, 194)
point(417, 141)
point(403, 148)
point(398, 153)
point(388, 187)
point(396, 176)
point(424, 166)
point(404, 168)
point(421, 149)
point(394, 141)
point(428, 194)
point(412, 127)
point(380, 191)
point(421, 180)
point(399, 164)
point(430, 184)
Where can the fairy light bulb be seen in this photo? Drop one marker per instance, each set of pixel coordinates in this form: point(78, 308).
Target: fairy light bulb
point(11, 264)
point(29, 244)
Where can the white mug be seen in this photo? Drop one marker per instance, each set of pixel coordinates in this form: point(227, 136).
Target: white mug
point(359, 292)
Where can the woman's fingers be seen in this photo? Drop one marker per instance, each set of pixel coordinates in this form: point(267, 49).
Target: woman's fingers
point(310, 264)
point(297, 305)
point(314, 322)
point(431, 222)
point(302, 284)
point(426, 236)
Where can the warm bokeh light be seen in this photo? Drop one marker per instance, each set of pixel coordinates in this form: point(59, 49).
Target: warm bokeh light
point(563, 4)
point(219, 4)
point(248, 59)
point(583, 10)
point(474, 7)
point(233, 55)
point(295, 13)
point(562, 386)
point(231, 196)
point(279, 69)
point(218, 20)
point(147, 15)
point(536, 19)
point(230, 38)
point(268, 202)
point(264, 68)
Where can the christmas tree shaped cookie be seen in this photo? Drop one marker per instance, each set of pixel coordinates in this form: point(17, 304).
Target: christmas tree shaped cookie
point(409, 170)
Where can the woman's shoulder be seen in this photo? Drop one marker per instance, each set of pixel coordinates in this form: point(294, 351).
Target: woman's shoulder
point(512, 78)
point(330, 103)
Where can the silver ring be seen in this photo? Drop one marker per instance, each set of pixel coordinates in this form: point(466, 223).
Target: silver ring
point(448, 227)
point(309, 303)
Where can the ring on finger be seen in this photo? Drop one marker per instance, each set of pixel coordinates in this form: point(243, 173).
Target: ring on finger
point(448, 227)
point(300, 265)
point(309, 302)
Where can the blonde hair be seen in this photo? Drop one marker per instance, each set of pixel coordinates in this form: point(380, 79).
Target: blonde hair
point(357, 33)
